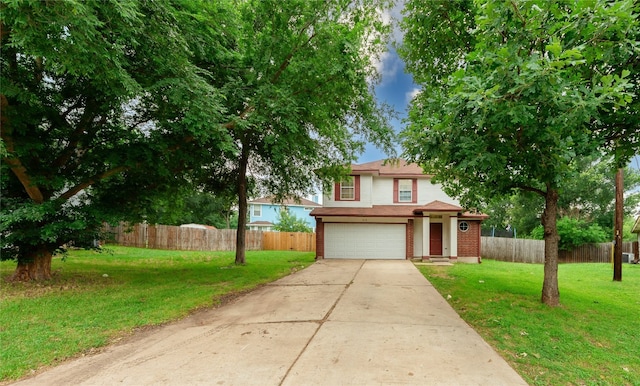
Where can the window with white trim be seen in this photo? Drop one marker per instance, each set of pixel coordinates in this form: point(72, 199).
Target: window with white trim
point(405, 190)
point(348, 189)
point(257, 210)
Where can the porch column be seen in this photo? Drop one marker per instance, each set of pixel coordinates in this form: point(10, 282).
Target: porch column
point(453, 232)
point(426, 251)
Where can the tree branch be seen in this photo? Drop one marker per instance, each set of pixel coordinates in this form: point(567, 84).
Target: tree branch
point(232, 124)
point(100, 176)
point(287, 60)
point(532, 189)
point(13, 161)
point(517, 11)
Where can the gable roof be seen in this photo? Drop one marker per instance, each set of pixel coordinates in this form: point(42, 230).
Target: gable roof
point(391, 167)
point(439, 206)
point(286, 202)
point(261, 223)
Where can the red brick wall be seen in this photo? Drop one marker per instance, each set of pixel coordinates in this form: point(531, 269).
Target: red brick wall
point(469, 241)
point(409, 242)
point(319, 239)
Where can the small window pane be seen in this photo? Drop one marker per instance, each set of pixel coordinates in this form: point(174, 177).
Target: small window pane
point(348, 190)
point(257, 210)
point(463, 226)
point(405, 190)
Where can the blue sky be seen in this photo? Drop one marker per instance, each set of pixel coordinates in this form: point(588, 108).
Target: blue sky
point(396, 89)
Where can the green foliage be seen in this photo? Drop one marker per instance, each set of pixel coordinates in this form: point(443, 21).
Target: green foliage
point(195, 208)
point(590, 340)
point(306, 103)
point(627, 236)
point(289, 222)
point(521, 110)
point(96, 298)
point(521, 210)
point(589, 197)
point(105, 106)
point(575, 232)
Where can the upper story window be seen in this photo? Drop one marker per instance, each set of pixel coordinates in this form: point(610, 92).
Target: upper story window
point(257, 210)
point(405, 190)
point(348, 190)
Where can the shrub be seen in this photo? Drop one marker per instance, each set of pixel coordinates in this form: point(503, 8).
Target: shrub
point(574, 232)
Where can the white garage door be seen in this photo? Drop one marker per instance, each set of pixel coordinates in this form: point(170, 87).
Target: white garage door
point(364, 241)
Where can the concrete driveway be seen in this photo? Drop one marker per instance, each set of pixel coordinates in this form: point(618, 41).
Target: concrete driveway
point(351, 322)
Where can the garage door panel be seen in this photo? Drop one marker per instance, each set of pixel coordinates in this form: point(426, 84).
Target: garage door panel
point(364, 241)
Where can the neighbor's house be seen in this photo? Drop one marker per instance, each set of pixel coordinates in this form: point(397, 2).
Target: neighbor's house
point(264, 213)
point(393, 211)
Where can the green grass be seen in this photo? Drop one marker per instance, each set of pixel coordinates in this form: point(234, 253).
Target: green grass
point(592, 338)
point(97, 298)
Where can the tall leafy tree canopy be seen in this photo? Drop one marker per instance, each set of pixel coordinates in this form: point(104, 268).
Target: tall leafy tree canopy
point(529, 98)
point(103, 105)
point(303, 103)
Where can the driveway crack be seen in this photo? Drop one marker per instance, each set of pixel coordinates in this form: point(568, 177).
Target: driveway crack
point(321, 323)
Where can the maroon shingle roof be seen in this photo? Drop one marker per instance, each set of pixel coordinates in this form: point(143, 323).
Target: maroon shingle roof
point(393, 211)
point(375, 211)
point(391, 168)
point(439, 206)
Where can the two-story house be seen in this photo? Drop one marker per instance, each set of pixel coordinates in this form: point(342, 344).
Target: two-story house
point(393, 211)
point(264, 213)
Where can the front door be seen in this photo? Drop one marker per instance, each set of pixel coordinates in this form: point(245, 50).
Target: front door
point(435, 239)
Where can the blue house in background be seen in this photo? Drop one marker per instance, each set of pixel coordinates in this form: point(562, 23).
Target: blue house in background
point(264, 214)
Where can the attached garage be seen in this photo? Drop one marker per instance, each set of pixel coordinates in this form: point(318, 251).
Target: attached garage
point(364, 241)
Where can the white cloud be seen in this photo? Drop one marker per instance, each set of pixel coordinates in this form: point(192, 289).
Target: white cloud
point(393, 16)
point(388, 63)
point(412, 94)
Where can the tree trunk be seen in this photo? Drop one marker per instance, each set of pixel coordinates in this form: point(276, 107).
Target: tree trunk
point(550, 292)
point(36, 266)
point(617, 231)
point(242, 206)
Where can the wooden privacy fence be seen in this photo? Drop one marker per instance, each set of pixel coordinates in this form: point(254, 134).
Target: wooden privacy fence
point(289, 241)
point(194, 239)
point(532, 251)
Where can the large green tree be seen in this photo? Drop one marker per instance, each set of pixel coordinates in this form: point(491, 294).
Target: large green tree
point(525, 102)
point(303, 105)
point(104, 105)
point(289, 222)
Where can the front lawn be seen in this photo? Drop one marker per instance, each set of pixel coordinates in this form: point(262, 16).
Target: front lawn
point(593, 338)
point(96, 298)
